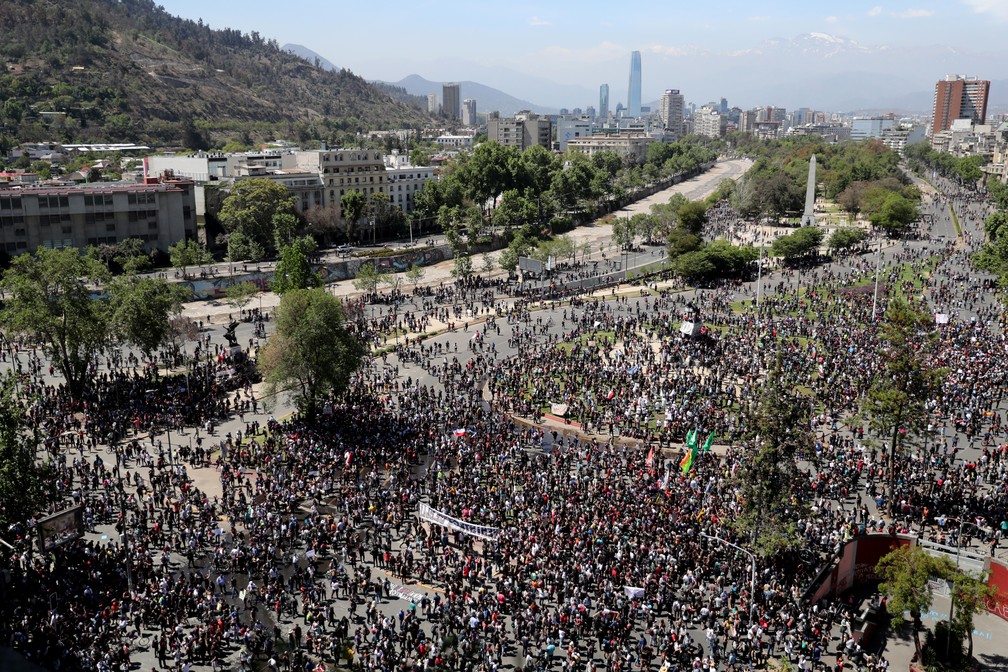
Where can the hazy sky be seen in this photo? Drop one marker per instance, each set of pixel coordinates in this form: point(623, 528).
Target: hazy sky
point(518, 43)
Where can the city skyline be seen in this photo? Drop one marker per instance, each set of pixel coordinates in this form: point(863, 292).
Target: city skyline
point(788, 54)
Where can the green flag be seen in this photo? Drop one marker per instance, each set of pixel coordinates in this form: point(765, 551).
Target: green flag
point(691, 437)
point(708, 443)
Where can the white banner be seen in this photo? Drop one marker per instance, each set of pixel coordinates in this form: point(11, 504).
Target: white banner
point(425, 512)
point(633, 592)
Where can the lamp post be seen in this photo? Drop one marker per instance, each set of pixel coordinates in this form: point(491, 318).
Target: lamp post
point(752, 560)
point(759, 276)
point(878, 264)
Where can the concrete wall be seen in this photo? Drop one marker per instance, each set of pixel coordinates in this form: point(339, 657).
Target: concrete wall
point(331, 271)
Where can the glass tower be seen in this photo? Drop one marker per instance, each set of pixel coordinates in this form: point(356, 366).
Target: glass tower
point(633, 91)
point(603, 101)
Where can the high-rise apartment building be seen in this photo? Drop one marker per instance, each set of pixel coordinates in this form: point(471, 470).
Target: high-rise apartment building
point(959, 98)
point(634, 88)
point(603, 101)
point(469, 112)
point(709, 122)
point(432, 104)
point(671, 113)
point(451, 102)
point(522, 131)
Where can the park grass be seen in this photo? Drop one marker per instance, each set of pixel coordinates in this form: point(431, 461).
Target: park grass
point(955, 222)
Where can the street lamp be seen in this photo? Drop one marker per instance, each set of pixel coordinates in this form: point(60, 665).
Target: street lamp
point(752, 559)
point(878, 264)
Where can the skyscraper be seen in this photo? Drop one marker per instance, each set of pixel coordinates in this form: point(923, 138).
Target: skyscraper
point(672, 113)
point(432, 103)
point(633, 90)
point(469, 112)
point(603, 101)
point(959, 98)
point(451, 103)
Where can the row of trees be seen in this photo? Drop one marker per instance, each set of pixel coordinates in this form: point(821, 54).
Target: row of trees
point(507, 187)
point(966, 170)
point(993, 257)
point(49, 301)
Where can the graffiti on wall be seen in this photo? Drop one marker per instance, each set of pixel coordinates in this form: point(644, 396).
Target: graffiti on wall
point(215, 288)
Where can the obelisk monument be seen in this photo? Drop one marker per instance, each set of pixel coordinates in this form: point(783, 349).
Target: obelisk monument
point(808, 219)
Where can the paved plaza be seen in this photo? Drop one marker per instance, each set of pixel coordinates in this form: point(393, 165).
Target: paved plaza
point(259, 541)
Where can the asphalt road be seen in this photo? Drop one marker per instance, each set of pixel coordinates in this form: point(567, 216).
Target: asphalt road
point(938, 234)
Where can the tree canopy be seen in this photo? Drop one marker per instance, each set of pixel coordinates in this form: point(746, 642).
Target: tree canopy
point(896, 403)
point(49, 302)
point(25, 483)
point(311, 351)
point(294, 270)
point(142, 310)
point(254, 208)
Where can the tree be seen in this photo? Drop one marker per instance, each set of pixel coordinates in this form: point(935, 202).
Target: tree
point(896, 403)
point(693, 216)
point(48, 301)
point(250, 208)
point(368, 278)
point(779, 429)
point(488, 263)
point(294, 270)
point(680, 241)
point(415, 275)
point(970, 594)
point(323, 223)
point(623, 232)
point(26, 485)
point(996, 224)
point(131, 256)
point(311, 349)
point(243, 248)
point(905, 574)
point(896, 214)
point(846, 238)
point(240, 293)
point(187, 253)
point(352, 203)
point(285, 226)
point(520, 246)
point(802, 243)
point(142, 310)
point(777, 195)
point(462, 267)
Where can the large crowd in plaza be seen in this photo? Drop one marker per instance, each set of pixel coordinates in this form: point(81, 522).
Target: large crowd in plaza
point(595, 554)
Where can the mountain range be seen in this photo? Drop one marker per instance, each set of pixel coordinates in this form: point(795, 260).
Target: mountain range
point(307, 54)
point(126, 70)
point(488, 99)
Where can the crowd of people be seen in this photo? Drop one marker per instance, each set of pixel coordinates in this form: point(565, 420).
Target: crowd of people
point(419, 523)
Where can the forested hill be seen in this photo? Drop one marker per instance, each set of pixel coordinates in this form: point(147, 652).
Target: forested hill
point(126, 70)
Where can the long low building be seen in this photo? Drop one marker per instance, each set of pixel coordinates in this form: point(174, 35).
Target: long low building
point(160, 214)
point(634, 145)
